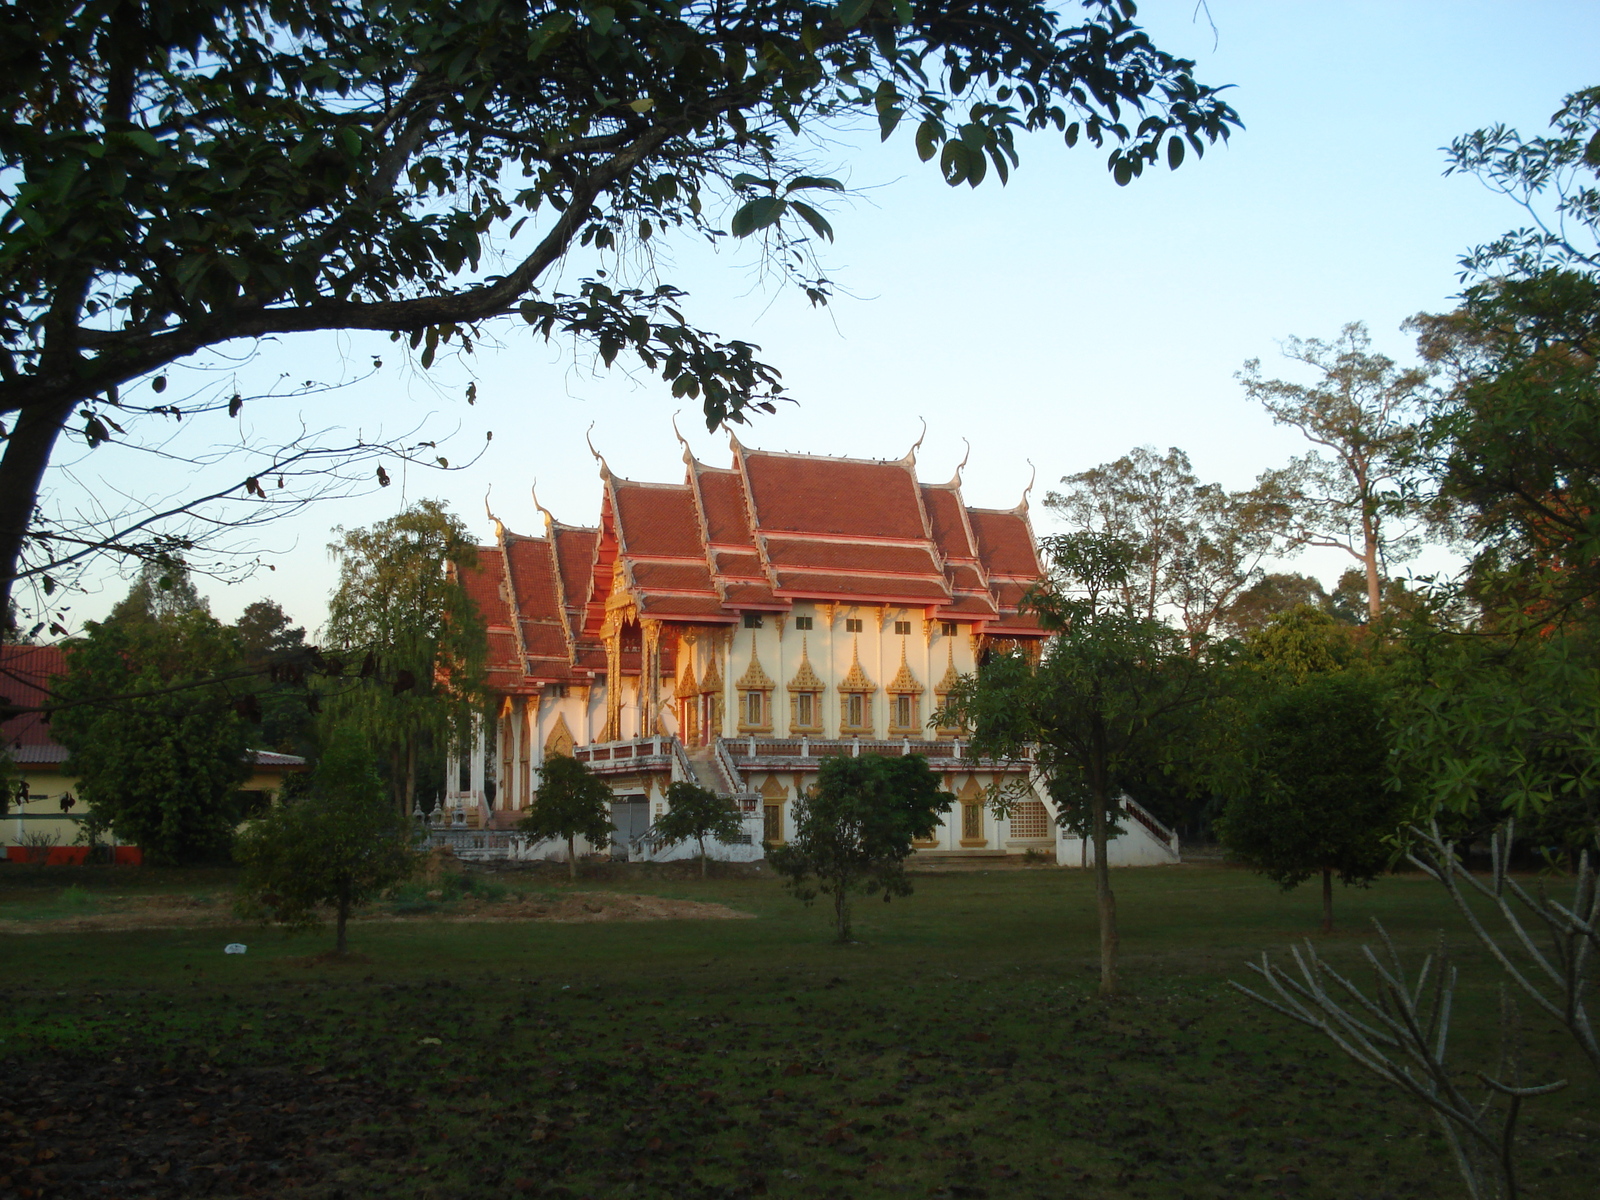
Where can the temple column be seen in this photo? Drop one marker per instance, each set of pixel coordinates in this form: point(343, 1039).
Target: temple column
point(650, 679)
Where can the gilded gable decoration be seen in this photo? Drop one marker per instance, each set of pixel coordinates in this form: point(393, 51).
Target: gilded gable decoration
point(711, 681)
point(686, 682)
point(856, 679)
point(755, 678)
point(855, 706)
point(944, 687)
point(805, 696)
point(905, 700)
point(560, 741)
point(755, 700)
point(805, 679)
point(904, 681)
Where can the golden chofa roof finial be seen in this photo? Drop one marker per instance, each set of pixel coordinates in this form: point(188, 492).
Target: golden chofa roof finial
point(911, 454)
point(549, 517)
point(688, 454)
point(955, 480)
point(499, 527)
point(598, 457)
point(1028, 491)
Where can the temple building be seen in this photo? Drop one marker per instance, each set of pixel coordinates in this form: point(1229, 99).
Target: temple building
point(736, 628)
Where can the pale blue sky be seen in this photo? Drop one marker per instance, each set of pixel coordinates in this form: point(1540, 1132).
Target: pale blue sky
point(1060, 318)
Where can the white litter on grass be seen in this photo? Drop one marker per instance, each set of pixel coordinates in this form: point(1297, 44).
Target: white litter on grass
point(234, 948)
point(430, 1041)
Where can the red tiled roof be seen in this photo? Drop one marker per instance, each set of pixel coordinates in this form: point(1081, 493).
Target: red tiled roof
point(25, 673)
point(796, 493)
point(772, 529)
point(1005, 542)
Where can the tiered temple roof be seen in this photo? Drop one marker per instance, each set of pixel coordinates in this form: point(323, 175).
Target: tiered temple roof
point(768, 531)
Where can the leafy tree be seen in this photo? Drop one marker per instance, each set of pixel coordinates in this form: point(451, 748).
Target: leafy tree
point(1361, 413)
point(1313, 795)
point(572, 802)
point(156, 744)
point(854, 830)
point(1102, 704)
point(340, 846)
point(696, 813)
point(276, 650)
point(1197, 546)
point(402, 609)
point(180, 177)
point(160, 590)
point(1270, 595)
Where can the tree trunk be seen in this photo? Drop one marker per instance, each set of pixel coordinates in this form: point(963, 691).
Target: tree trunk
point(702, 858)
point(1327, 899)
point(410, 803)
point(340, 946)
point(22, 467)
point(572, 861)
point(841, 911)
point(1105, 899)
point(1369, 560)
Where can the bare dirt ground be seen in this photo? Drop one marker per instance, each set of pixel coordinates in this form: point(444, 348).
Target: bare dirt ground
point(195, 912)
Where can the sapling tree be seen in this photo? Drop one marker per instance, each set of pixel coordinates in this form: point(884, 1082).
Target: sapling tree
point(1102, 703)
point(694, 814)
point(572, 802)
point(339, 847)
point(1315, 796)
point(854, 831)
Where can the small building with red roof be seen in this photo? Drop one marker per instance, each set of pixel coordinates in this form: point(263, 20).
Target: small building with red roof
point(42, 814)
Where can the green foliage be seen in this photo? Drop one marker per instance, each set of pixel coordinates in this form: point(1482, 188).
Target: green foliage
point(402, 610)
point(340, 847)
point(694, 814)
point(158, 749)
point(163, 589)
point(1313, 790)
point(572, 802)
point(854, 830)
point(1509, 728)
point(204, 172)
point(1300, 642)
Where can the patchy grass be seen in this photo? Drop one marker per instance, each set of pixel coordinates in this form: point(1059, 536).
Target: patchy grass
point(957, 1050)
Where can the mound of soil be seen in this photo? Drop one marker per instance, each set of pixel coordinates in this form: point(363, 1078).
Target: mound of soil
point(196, 912)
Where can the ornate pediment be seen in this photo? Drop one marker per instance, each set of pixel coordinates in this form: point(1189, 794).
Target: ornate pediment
point(904, 682)
point(805, 679)
point(856, 680)
point(755, 678)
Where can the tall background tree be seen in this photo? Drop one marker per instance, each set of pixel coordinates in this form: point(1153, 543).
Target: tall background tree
point(401, 611)
point(1197, 546)
point(178, 177)
point(1360, 411)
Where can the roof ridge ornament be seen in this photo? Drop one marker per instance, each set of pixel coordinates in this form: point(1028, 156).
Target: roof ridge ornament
point(911, 454)
point(605, 469)
point(955, 480)
point(688, 454)
point(499, 526)
point(549, 517)
point(1027, 491)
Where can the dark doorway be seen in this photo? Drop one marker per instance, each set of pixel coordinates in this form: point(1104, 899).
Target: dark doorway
point(631, 816)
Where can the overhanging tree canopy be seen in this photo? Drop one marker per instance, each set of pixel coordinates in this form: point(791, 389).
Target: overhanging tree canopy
point(176, 176)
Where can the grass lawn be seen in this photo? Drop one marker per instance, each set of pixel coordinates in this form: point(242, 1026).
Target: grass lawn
point(958, 1050)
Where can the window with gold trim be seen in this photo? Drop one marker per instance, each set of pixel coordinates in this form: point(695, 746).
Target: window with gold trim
point(972, 822)
point(772, 822)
